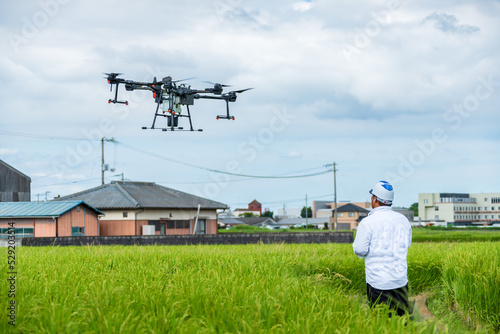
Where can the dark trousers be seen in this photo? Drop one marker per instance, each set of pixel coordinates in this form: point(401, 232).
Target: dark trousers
point(397, 299)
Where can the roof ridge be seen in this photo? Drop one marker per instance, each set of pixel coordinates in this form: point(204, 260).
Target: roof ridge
point(126, 194)
point(83, 192)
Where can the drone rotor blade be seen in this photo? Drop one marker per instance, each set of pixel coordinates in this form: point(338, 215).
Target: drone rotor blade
point(242, 90)
point(184, 79)
point(214, 83)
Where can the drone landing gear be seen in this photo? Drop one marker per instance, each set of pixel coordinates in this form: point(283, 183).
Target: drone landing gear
point(227, 116)
point(172, 121)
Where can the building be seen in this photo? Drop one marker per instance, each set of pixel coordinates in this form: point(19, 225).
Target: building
point(254, 207)
point(252, 221)
point(128, 206)
point(459, 209)
point(323, 209)
point(348, 216)
point(14, 185)
point(317, 222)
point(49, 219)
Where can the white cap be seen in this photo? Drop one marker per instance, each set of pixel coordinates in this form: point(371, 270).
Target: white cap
point(384, 192)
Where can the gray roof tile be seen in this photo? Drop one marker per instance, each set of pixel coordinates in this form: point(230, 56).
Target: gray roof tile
point(126, 194)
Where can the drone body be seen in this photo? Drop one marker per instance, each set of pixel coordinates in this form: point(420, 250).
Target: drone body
point(171, 96)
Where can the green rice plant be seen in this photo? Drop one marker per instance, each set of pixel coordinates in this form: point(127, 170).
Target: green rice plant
point(471, 280)
point(196, 289)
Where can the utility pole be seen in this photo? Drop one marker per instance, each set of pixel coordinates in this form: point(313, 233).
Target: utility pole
point(334, 165)
point(306, 212)
point(103, 166)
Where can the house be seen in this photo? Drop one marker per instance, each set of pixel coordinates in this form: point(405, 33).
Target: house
point(348, 216)
point(460, 209)
point(128, 206)
point(317, 222)
point(323, 209)
point(49, 219)
point(254, 207)
point(253, 221)
point(14, 185)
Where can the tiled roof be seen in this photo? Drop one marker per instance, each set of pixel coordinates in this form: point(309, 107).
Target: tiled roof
point(351, 208)
point(38, 209)
point(125, 195)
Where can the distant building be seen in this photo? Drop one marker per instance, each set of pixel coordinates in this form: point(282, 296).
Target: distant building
point(252, 221)
point(254, 207)
point(14, 185)
point(459, 209)
point(348, 216)
point(49, 219)
point(128, 206)
point(317, 222)
point(323, 209)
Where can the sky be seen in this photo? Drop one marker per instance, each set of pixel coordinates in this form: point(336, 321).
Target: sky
point(404, 91)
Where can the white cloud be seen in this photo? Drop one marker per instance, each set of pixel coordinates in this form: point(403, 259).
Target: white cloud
point(8, 151)
point(366, 112)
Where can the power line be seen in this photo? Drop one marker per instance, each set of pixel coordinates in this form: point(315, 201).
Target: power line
point(222, 172)
point(30, 135)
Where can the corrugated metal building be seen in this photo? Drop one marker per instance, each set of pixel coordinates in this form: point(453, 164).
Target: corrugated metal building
point(128, 206)
point(14, 185)
point(49, 219)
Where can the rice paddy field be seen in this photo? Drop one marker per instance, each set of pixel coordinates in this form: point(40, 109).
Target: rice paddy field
point(279, 288)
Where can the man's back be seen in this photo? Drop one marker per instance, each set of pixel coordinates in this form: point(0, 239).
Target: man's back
point(383, 239)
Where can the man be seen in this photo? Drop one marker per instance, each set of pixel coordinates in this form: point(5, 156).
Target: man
point(382, 239)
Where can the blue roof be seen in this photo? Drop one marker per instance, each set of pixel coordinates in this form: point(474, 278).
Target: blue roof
point(38, 209)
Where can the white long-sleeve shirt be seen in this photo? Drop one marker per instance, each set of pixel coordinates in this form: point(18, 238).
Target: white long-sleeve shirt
point(383, 239)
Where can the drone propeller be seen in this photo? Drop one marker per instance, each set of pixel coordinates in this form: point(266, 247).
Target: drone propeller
point(184, 79)
point(214, 83)
point(241, 90)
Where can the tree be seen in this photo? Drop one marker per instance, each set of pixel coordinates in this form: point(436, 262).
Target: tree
point(269, 214)
point(246, 215)
point(309, 212)
point(414, 208)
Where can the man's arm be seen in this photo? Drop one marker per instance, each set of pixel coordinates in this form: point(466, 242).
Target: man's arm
point(361, 244)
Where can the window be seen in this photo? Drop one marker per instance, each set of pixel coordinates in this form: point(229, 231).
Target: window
point(20, 232)
point(485, 208)
point(77, 231)
point(436, 217)
point(125, 214)
point(171, 224)
point(436, 208)
point(492, 208)
point(351, 214)
point(486, 200)
point(485, 216)
point(492, 216)
point(341, 214)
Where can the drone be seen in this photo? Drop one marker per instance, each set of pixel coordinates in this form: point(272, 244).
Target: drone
point(170, 95)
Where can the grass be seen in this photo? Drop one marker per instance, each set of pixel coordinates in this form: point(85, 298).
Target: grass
point(425, 234)
point(420, 234)
point(258, 288)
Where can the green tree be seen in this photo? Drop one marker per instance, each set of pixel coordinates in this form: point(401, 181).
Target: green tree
point(309, 212)
point(269, 214)
point(246, 215)
point(414, 208)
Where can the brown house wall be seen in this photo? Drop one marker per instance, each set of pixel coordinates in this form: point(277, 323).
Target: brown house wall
point(45, 228)
point(64, 225)
point(117, 227)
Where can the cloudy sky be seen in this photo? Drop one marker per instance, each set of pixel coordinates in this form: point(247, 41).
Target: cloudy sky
point(407, 91)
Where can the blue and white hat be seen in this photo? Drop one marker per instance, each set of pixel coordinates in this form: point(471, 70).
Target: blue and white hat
point(384, 192)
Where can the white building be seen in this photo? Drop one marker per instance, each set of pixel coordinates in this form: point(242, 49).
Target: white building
point(460, 209)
